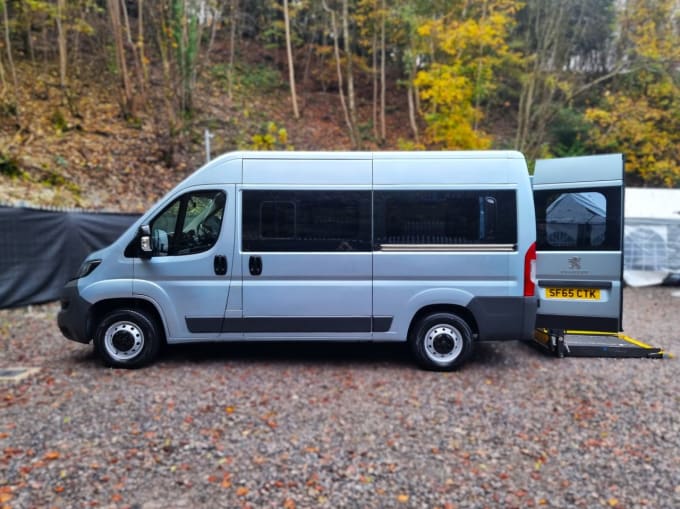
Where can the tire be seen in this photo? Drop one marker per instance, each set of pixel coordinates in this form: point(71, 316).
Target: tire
point(441, 341)
point(127, 338)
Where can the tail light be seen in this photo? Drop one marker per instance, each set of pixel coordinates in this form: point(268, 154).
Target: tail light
point(530, 271)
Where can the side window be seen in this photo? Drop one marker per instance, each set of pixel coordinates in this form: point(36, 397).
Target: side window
point(445, 217)
point(578, 219)
point(190, 224)
point(306, 221)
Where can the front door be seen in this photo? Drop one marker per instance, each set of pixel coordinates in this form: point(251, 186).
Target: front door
point(579, 261)
point(189, 273)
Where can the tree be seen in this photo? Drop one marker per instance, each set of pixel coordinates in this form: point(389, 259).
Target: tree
point(566, 50)
point(639, 115)
point(468, 45)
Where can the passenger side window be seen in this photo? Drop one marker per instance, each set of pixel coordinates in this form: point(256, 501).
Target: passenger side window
point(580, 219)
point(190, 224)
point(306, 221)
point(445, 217)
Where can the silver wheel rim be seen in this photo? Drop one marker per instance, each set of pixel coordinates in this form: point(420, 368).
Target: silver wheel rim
point(123, 340)
point(443, 343)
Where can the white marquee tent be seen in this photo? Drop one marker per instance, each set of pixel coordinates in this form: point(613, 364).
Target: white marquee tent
point(651, 235)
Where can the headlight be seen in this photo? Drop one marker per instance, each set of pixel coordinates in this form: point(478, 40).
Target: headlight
point(87, 267)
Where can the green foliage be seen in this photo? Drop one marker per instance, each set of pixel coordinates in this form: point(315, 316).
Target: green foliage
point(10, 166)
point(58, 121)
point(54, 179)
point(8, 109)
point(260, 78)
point(570, 133)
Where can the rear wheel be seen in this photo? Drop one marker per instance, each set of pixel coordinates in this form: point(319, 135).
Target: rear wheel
point(441, 341)
point(127, 338)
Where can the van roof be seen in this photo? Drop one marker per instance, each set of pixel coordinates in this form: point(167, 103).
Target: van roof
point(439, 154)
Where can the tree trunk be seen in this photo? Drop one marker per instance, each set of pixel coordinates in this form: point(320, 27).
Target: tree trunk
point(8, 47)
point(338, 66)
point(232, 49)
point(383, 84)
point(61, 43)
point(375, 78)
point(135, 53)
point(126, 99)
point(140, 42)
point(291, 65)
point(351, 96)
point(478, 78)
point(410, 92)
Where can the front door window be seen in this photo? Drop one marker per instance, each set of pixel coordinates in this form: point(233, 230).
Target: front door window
point(190, 224)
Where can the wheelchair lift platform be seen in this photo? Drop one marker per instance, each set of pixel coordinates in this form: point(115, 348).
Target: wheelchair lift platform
point(595, 344)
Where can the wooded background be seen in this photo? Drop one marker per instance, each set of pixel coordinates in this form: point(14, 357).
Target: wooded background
point(123, 89)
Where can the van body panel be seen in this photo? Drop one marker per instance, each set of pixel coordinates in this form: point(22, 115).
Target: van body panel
point(304, 295)
point(582, 171)
point(504, 318)
point(455, 273)
point(307, 172)
point(226, 169)
point(186, 287)
point(579, 208)
point(441, 171)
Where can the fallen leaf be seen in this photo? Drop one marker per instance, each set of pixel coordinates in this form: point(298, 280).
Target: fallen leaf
point(613, 502)
point(241, 491)
point(289, 504)
point(51, 455)
point(5, 497)
point(403, 498)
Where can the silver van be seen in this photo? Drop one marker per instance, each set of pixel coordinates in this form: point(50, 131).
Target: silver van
point(434, 248)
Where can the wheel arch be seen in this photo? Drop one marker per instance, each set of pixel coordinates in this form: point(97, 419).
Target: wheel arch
point(103, 307)
point(461, 311)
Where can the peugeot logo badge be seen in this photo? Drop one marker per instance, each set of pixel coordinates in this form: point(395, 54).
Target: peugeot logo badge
point(574, 263)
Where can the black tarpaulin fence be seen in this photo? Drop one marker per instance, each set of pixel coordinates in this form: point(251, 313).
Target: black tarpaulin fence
point(41, 249)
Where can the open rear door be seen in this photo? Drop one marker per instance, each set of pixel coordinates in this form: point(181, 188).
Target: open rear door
point(579, 261)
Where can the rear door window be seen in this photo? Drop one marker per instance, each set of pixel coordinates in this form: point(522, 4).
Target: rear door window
point(578, 219)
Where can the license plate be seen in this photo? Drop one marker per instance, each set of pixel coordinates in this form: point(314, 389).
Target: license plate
point(573, 293)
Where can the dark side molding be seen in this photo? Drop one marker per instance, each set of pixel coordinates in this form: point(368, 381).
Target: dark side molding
point(336, 324)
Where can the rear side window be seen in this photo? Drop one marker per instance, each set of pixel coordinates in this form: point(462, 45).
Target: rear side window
point(306, 221)
point(580, 219)
point(445, 217)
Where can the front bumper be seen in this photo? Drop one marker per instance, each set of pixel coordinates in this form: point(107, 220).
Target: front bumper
point(74, 317)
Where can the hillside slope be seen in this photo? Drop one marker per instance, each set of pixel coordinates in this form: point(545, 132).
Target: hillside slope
point(79, 152)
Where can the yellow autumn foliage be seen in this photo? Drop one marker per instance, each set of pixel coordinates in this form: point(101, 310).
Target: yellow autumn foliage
point(468, 47)
point(641, 116)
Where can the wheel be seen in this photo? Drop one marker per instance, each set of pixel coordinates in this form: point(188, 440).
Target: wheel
point(441, 341)
point(127, 338)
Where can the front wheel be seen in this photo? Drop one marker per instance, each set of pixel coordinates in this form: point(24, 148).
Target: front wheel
point(441, 341)
point(127, 338)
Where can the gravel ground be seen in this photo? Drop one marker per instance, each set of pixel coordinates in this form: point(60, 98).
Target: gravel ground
point(349, 425)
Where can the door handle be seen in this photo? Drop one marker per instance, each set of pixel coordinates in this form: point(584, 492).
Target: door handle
point(255, 265)
point(220, 265)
